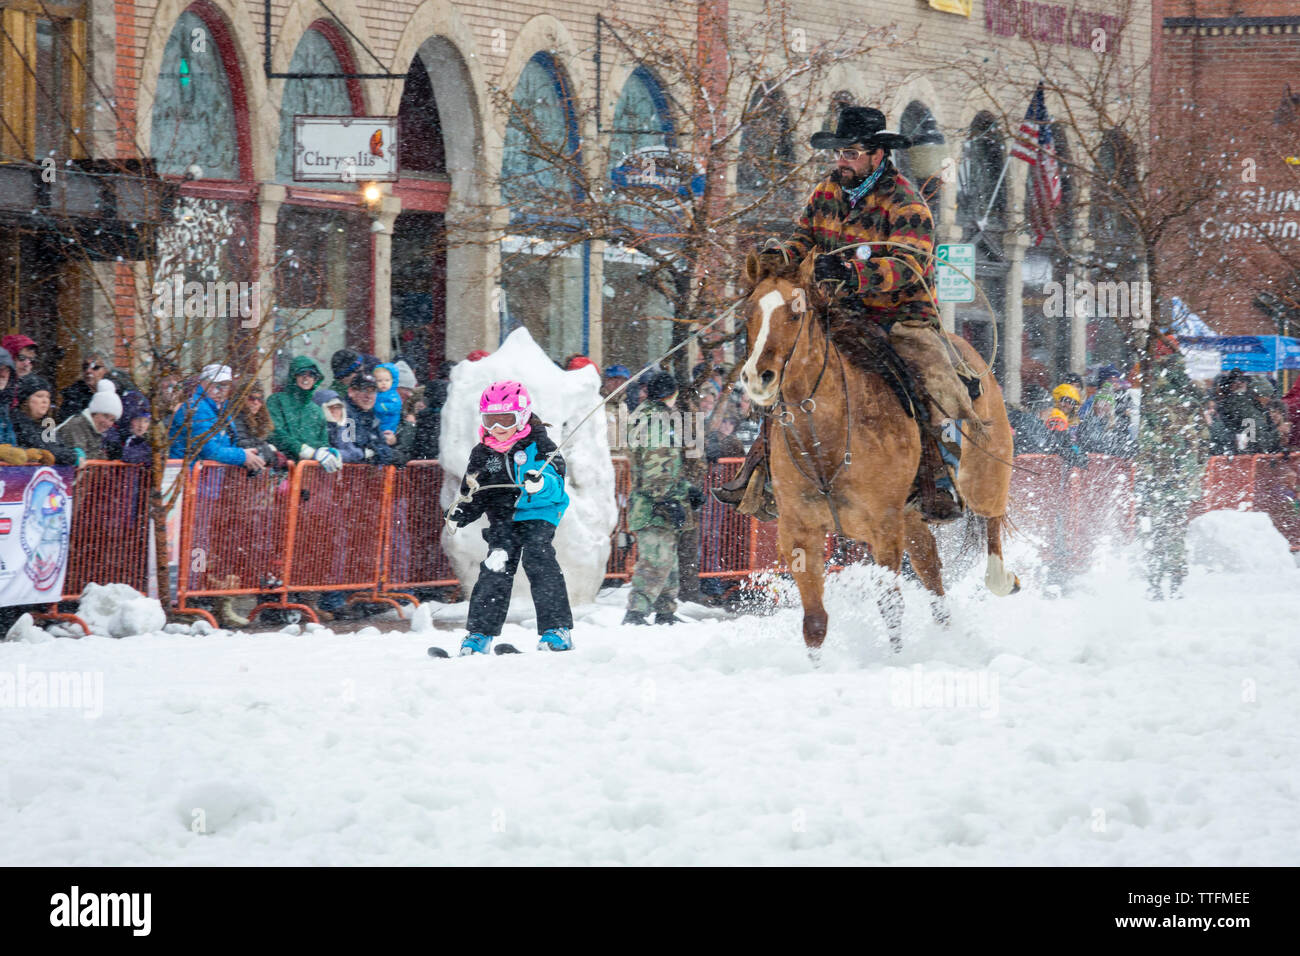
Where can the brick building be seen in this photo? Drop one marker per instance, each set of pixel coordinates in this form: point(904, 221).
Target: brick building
point(1234, 65)
point(215, 84)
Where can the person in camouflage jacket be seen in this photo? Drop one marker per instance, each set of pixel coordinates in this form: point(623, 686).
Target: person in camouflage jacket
point(661, 505)
point(1172, 439)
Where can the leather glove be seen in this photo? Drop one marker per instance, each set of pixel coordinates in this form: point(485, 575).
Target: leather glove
point(533, 482)
point(696, 497)
point(671, 511)
point(833, 269)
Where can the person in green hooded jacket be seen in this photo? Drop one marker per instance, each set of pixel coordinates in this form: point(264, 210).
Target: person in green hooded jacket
point(299, 428)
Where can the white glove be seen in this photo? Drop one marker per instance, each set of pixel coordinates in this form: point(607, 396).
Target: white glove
point(370, 453)
point(495, 561)
point(329, 459)
point(533, 482)
point(306, 453)
point(451, 519)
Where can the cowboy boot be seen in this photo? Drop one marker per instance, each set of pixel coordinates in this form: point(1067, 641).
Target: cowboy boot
point(934, 492)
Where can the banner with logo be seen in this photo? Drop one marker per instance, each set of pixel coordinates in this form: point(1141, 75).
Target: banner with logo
point(35, 527)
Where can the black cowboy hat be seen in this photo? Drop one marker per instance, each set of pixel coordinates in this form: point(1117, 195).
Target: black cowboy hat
point(864, 125)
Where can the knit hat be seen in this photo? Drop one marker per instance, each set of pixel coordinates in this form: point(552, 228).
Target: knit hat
point(405, 374)
point(476, 355)
point(30, 385)
point(134, 405)
point(1067, 391)
point(344, 362)
point(661, 385)
point(13, 344)
point(580, 361)
point(105, 400)
point(326, 396)
point(6, 359)
point(216, 374)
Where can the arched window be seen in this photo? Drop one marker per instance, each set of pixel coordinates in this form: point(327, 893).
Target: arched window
point(1116, 250)
point(641, 117)
point(193, 120)
point(839, 100)
point(922, 164)
point(1046, 354)
point(545, 290)
point(766, 144)
point(419, 126)
point(316, 53)
point(981, 213)
point(637, 318)
point(542, 135)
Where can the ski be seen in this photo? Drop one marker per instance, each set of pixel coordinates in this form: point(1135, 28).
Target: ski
point(496, 649)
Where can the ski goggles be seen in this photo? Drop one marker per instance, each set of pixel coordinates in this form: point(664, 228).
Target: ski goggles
point(502, 421)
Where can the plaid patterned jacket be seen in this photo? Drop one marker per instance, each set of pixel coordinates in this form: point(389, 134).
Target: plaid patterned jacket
point(889, 289)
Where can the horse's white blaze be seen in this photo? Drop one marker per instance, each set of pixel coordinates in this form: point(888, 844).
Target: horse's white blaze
point(769, 304)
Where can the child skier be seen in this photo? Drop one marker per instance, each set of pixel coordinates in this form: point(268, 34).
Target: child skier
point(523, 497)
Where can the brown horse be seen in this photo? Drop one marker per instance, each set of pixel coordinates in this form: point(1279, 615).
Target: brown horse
point(844, 452)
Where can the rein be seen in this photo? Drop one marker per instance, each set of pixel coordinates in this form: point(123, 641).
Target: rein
point(786, 419)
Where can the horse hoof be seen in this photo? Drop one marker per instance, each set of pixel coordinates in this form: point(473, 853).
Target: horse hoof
point(815, 656)
point(1015, 588)
point(896, 645)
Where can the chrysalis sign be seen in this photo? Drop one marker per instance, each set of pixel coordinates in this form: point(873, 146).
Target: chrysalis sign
point(344, 149)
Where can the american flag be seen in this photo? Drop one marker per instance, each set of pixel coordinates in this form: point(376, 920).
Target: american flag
point(1034, 145)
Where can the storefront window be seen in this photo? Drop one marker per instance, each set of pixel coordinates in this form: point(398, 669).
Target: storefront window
point(321, 282)
point(193, 114)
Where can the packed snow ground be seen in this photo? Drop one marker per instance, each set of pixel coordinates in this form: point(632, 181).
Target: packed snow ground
point(1095, 728)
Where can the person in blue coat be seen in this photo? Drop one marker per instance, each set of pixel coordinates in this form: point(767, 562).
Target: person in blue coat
point(514, 478)
point(198, 415)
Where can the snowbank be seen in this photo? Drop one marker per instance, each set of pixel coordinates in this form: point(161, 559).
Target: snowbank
point(119, 610)
point(562, 399)
point(1238, 542)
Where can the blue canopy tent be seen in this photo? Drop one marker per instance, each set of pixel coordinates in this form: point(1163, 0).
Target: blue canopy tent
point(1250, 353)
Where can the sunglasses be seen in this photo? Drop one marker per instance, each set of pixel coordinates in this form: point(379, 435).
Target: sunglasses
point(849, 154)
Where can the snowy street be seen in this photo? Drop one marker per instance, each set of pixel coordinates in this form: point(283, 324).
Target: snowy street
point(1093, 729)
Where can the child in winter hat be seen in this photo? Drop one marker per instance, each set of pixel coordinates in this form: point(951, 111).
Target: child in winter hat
point(516, 478)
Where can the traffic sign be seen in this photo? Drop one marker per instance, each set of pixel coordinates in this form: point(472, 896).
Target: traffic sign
point(955, 273)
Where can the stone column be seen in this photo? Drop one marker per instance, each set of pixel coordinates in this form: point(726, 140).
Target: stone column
point(270, 199)
point(1014, 244)
point(382, 306)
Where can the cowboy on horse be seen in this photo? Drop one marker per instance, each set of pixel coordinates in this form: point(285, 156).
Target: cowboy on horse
point(874, 235)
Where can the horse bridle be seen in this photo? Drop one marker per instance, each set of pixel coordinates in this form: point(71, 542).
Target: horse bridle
point(785, 416)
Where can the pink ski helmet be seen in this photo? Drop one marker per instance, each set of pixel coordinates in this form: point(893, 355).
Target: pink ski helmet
point(501, 398)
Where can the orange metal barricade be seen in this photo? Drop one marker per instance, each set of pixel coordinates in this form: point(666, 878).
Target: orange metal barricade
point(338, 534)
point(1228, 483)
point(108, 542)
point(622, 544)
point(413, 555)
point(236, 536)
point(726, 535)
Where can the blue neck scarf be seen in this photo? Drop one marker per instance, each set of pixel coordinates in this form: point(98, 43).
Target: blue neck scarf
point(859, 191)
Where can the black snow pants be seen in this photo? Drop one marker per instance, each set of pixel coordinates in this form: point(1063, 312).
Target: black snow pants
point(490, 600)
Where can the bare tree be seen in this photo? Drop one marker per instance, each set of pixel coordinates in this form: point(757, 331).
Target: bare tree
point(673, 203)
